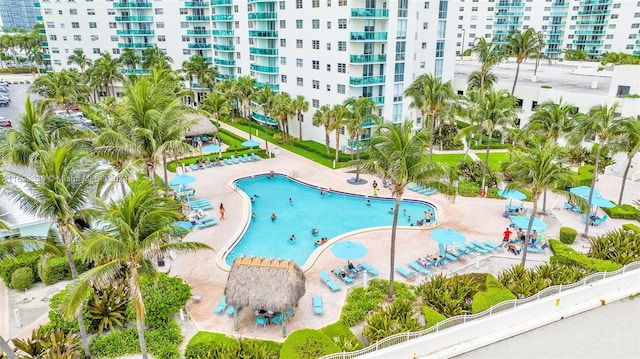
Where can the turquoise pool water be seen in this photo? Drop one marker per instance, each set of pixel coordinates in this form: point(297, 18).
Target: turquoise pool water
point(333, 214)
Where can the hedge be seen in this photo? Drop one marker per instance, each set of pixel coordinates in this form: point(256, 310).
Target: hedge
point(307, 344)
point(162, 342)
point(568, 235)
point(22, 278)
point(57, 269)
point(624, 211)
point(631, 227)
point(563, 254)
point(25, 259)
point(432, 317)
point(162, 298)
point(342, 336)
point(207, 345)
point(495, 293)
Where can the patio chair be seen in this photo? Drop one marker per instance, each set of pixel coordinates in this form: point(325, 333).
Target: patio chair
point(410, 275)
point(482, 246)
point(197, 206)
point(431, 264)
point(262, 321)
point(208, 164)
point(221, 306)
point(368, 268)
point(441, 262)
point(255, 157)
point(599, 221)
point(227, 161)
point(241, 159)
point(418, 268)
point(492, 245)
point(230, 310)
point(206, 222)
point(318, 307)
point(193, 167)
point(234, 159)
point(276, 319)
point(246, 158)
point(536, 249)
point(346, 278)
point(331, 284)
point(450, 257)
point(466, 248)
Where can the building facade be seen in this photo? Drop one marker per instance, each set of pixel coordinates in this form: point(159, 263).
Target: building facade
point(595, 26)
point(325, 50)
point(19, 14)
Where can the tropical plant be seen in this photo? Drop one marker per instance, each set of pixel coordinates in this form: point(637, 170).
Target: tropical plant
point(198, 68)
point(104, 72)
point(108, 307)
point(153, 57)
point(58, 345)
point(137, 230)
point(575, 55)
point(322, 117)
point(627, 140)
point(61, 88)
point(361, 111)
point(217, 105)
point(300, 105)
point(266, 99)
point(129, 58)
point(536, 168)
point(338, 116)
point(397, 155)
point(79, 59)
point(282, 110)
point(489, 54)
point(522, 45)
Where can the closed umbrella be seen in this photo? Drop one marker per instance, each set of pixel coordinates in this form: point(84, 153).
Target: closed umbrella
point(523, 222)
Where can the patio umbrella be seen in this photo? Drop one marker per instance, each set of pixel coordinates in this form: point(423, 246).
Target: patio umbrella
point(583, 191)
point(601, 202)
point(523, 222)
point(181, 180)
point(448, 237)
point(512, 194)
point(211, 148)
point(349, 250)
point(250, 143)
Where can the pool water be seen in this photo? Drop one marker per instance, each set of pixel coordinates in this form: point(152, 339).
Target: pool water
point(333, 214)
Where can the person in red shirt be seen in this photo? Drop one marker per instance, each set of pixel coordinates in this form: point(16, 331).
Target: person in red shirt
point(506, 235)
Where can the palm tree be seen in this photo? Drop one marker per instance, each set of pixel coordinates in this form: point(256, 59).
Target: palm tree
point(361, 112)
point(198, 68)
point(138, 230)
point(245, 89)
point(282, 111)
point(266, 99)
point(106, 69)
point(129, 58)
point(432, 97)
point(537, 168)
point(599, 122)
point(217, 105)
point(522, 45)
point(300, 105)
point(489, 55)
point(627, 132)
point(339, 114)
point(153, 57)
point(80, 59)
point(62, 194)
point(397, 155)
point(61, 88)
point(322, 117)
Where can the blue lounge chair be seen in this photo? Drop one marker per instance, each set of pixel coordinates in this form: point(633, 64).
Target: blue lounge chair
point(206, 222)
point(599, 221)
point(410, 275)
point(230, 310)
point(227, 161)
point(261, 321)
point(345, 279)
point(432, 263)
point(202, 205)
point(481, 246)
point(568, 206)
point(241, 159)
point(221, 306)
point(418, 268)
point(448, 255)
point(492, 245)
point(255, 157)
point(368, 268)
point(331, 284)
point(234, 159)
point(466, 248)
point(193, 167)
point(318, 307)
point(441, 262)
point(536, 249)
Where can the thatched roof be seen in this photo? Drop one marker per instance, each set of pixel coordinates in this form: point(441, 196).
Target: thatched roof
point(265, 284)
point(203, 126)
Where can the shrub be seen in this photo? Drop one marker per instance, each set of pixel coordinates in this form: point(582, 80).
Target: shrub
point(494, 293)
point(57, 269)
point(25, 259)
point(162, 342)
point(56, 320)
point(563, 254)
point(450, 296)
point(360, 301)
point(342, 336)
point(22, 278)
point(307, 344)
point(546, 87)
point(624, 211)
point(631, 227)
point(398, 317)
point(619, 246)
point(162, 298)
point(568, 235)
point(207, 345)
point(431, 316)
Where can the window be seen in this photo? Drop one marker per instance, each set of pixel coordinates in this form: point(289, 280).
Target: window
point(422, 65)
point(283, 24)
point(328, 67)
point(315, 103)
point(94, 37)
point(282, 5)
point(623, 91)
point(114, 37)
point(93, 25)
point(75, 25)
point(341, 89)
point(299, 24)
point(328, 24)
point(48, 11)
point(342, 2)
point(342, 68)
point(315, 64)
point(113, 25)
point(315, 44)
point(77, 37)
point(424, 45)
point(159, 25)
point(426, 4)
point(315, 3)
point(315, 23)
point(397, 92)
point(283, 42)
point(183, 11)
point(315, 84)
point(342, 46)
point(629, 47)
point(617, 6)
point(283, 79)
point(55, 50)
point(115, 51)
point(342, 23)
point(159, 11)
point(111, 11)
point(298, 4)
point(91, 11)
point(185, 38)
point(299, 81)
point(298, 62)
point(162, 38)
point(53, 37)
point(299, 43)
point(328, 46)
point(614, 16)
point(96, 50)
point(399, 72)
point(73, 12)
point(283, 60)
point(610, 36)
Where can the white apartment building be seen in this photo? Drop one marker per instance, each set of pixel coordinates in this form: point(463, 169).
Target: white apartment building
point(325, 50)
point(595, 26)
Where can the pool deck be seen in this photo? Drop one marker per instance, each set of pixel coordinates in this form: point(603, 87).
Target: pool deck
point(477, 218)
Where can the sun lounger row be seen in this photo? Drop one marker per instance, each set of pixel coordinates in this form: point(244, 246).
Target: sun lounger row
point(226, 161)
point(206, 222)
point(223, 305)
point(202, 204)
point(427, 191)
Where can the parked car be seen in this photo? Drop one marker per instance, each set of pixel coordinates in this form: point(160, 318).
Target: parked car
point(4, 102)
point(4, 122)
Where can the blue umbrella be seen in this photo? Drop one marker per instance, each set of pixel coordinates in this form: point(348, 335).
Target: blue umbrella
point(181, 180)
point(250, 143)
point(512, 194)
point(583, 191)
point(601, 202)
point(211, 148)
point(523, 222)
point(448, 237)
point(349, 250)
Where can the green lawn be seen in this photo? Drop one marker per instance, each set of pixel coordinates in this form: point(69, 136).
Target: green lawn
point(453, 159)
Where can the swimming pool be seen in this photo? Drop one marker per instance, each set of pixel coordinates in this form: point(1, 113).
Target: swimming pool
point(333, 215)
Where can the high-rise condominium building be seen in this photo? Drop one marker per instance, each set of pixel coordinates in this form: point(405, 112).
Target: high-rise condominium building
point(595, 26)
point(19, 14)
point(325, 50)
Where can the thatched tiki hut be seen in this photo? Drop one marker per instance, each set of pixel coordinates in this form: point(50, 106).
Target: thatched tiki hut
point(263, 283)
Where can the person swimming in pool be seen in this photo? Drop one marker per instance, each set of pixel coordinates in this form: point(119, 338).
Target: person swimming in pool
point(273, 216)
point(368, 202)
point(292, 238)
point(315, 231)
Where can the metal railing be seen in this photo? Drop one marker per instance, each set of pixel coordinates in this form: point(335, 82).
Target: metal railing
point(461, 319)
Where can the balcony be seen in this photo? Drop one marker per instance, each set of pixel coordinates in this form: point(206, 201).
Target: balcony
point(42, 31)
point(368, 36)
point(132, 5)
point(223, 17)
point(559, 13)
point(502, 22)
point(556, 32)
point(509, 13)
point(228, 63)
point(589, 32)
point(263, 52)
point(592, 22)
point(587, 42)
point(362, 59)
point(557, 23)
point(370, 13)
point(135, 32)
point(264, 69)
point(198, 32)
point(260, 117)
point(594, 12)
point(198, 18)
point(554, 41)
point(39, 18)
point(223, 47)
point(263, 33)
point(133, 45)
point(44, 44)
point(378, 101)
point(254, 1)
point(47, 56)
point(510, 3)
point(196, 4)
point(561, 3)
point(199, 46)
point(225, 33)
point(263, 15)
point(595, 2)
point(36, 5)
point(367, 80)
point(225, 77)
point(221, 2)
point(134, 18)
point(135, 71)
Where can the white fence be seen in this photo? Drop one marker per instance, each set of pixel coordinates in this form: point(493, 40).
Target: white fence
point(498, 308)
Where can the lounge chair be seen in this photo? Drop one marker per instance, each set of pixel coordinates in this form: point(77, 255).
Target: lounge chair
point(448, 255)
point(241, 159)
point(245, 158)
point(262, 321)
point(466, 248)
point(536, 249)
point(193, 167)
point(482, 246)
point(255, 157)
point(481, 249)
point(368, 268)
point(345, 279)
point(568, 206)
point(234, 159)
point(599, 221)
point(221, 306)
point(410, 275)
point(227, 161)
point(230, 310)
point(418, 268)
point(331, 284)
point(206, 222)
point(318, 307)
point(432, 263)
point(492, 245)
point(441, 262)
point(202, 205)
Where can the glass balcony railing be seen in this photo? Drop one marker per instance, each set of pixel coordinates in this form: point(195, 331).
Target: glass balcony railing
point(367, 80)
point(509, 13)
point(220, 47)
point(510, 3)
point(378, 101)
point(263, 15)
point(250, 1)
point(196, 4)
point(263, 52)
point(44, 44)
point(556, 32)
point(225, 76)
point(370, 13)
point(559, 13)
point(135, 32)
point(132, 5)
point(42, 31)
point(265, 69)
point(199, 46)
point(587, 42)
point(135, 71)
point(263, 33)
point(589, 32)
point(368, 36)
point(223, 17)
point(133, 45)
point(225, 33)
point(36, 5)
point(260, 117)
point(362, 59)
point(39, 18)
point(560, 3)
point(134, 18)
point(221, 2)
point(198, 32)
point(198, 18)
point(274, 87)
point(591, 22)
point(554, 41)
point(595, 2)
point(47, 56)
point(594, 12)
point(224, 62)
point(638, 42)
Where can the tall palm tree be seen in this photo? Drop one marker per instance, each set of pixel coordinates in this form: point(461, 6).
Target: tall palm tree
point(300, 105)
point(129, 58)
point(433, 98)
point(627, 132)
point(283, 110)
point(322, 117)
point(599, 122)
point(523, 45)
point(106, 69)
point(198, 68)
point(62, 194)
point(489, 55)
point(217, 105)
point(61, 89)
point(537, 168)
point(152, 56)
point(79, 59)
point(138, 230)
point(266, 99)
point(339, 115)
point(245, 88)
point(361, 112)
point(397, 155)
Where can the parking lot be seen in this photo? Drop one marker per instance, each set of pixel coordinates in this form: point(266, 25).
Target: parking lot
point(17, 93)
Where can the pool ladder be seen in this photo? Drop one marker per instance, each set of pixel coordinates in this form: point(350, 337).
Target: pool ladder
point(294, 174)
